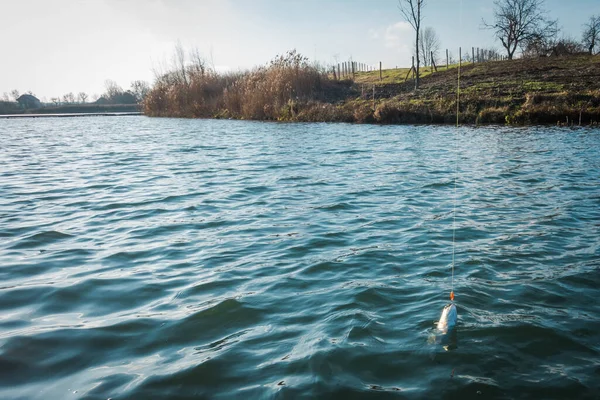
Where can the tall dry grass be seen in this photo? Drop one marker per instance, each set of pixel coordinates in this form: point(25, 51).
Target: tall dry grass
point(271, 92)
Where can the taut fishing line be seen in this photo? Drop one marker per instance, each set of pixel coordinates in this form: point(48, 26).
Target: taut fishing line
point(449, 316)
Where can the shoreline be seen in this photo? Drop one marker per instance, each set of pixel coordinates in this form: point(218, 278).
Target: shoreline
point(563, 91)
point(594, 124)
point(70, 115)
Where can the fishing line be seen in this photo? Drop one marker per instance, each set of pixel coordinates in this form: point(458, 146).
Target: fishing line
point(449, 316)
point(455, 167)
point(454, 197)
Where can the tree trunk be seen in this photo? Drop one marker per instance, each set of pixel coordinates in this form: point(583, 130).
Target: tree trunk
point(511, 52)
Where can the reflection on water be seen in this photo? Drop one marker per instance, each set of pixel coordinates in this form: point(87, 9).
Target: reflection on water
point(449, 340)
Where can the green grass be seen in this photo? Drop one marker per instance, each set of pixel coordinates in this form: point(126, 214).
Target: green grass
point(397, 75)
point(541, 86)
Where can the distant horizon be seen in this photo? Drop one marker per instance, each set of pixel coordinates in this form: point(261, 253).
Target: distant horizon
point(77, 47)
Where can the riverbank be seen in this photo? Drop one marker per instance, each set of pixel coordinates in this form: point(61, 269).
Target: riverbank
point(558, 90)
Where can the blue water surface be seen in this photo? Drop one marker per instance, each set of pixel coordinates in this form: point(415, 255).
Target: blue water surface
point(162, 258)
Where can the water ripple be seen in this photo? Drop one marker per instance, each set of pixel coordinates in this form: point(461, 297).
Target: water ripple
point(160, 258)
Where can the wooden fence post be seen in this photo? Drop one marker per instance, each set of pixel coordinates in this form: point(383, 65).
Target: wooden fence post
point(473, 54)
point(380, 76)
point(446, 58)
point(433, 62)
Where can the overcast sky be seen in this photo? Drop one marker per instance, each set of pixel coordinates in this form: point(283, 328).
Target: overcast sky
point(53, 47)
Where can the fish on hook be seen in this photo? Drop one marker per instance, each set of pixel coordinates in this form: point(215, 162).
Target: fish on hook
point(448, 319)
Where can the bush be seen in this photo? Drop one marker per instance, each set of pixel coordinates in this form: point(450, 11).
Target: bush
point(271, 92)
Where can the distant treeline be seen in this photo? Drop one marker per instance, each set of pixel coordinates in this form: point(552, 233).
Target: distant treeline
point(114, 98)
point(9, 107)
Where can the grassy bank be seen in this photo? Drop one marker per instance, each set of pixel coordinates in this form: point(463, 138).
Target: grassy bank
point(560, 90)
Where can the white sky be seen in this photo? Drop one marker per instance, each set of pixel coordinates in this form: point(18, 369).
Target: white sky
point(53, 47)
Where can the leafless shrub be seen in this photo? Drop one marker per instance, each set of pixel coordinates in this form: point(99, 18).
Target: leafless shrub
point(192, 90)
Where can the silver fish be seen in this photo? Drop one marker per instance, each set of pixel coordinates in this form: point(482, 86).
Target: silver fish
point(448, 318)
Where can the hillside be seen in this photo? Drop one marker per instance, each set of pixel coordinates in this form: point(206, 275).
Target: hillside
point(524, 91)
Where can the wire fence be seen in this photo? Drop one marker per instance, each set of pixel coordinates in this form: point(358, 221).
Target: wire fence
point(349, 69)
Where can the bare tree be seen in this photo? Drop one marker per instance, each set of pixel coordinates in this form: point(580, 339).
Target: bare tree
point(5, 97)
point(140, 89)
point(517, 22)
point(411, 11)
point(212, 60)
point(15, 94)
point(179, 63)
point(69, 98)
point(429, 43)
point(591, 33)
point(82, 96)
point(112, 89)
point(198, 64)
point(55, 100)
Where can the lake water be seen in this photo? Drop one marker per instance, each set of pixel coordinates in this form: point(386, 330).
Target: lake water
point(161, 258)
